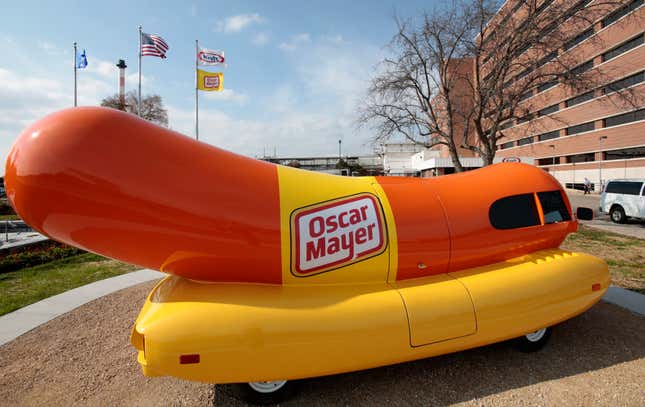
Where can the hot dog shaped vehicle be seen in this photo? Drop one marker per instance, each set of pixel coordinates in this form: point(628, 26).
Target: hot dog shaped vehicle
point(278, 273)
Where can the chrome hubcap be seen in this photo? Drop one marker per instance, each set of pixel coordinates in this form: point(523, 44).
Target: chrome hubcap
point(536, 336)
point(267, 387)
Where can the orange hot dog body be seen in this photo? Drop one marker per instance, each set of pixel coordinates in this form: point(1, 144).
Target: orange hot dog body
point(111, 183)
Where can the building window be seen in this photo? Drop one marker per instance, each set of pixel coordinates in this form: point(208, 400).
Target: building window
point(581, 158)
point(546, 161)
point(624, 83)
point(524, 141)
point(550, 135)
point(578, 39)
point(547, 58)
point(548, 110)
point(624, 118)
point(526, 95)
point(617, 14)
point(625, 153)
point(622, 48)
point(507, 145)
point(582, 68)
point(542, 7)
point(512, 212)
point(523, 73)
point(506, 125)
point(553, 207)
point(525, 119)
point(579, 99)
point(547, 85)
point(580, 128)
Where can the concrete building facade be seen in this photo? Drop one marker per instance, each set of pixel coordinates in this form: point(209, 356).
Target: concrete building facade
point(596, 133)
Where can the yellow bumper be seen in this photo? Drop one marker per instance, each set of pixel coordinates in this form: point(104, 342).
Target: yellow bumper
point(223, 333)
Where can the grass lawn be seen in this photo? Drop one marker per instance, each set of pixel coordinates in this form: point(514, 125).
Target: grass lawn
point(9, 217)
point(625, 255)
point(29, 285)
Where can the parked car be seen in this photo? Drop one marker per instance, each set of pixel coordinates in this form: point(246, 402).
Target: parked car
point(623, 198)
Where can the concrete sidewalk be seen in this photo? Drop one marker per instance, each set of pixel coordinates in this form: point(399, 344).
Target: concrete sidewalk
point(27, 318)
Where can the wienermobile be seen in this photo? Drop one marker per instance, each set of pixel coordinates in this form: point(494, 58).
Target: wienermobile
point(277, 273)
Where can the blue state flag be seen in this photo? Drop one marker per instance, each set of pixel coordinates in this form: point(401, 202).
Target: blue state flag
point(81, 60)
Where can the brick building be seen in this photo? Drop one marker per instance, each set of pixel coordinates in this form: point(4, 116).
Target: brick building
point(594, 133)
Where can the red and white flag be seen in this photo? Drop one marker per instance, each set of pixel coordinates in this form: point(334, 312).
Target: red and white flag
point(153, 46)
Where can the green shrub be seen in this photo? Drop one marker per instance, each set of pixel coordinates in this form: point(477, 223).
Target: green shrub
point(33, 257)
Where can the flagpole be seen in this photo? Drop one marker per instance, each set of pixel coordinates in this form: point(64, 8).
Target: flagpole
point(75, 93)
point(196, 92)
point(139, 100)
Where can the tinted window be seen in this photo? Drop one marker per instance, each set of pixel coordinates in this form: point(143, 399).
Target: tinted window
point(622, 48)
point(581, 128)
point(582, 68)
point(547, 58)
point(578, 39)
point(621, 12)
point(548, 110)
point(624, 83)
point(547, 85)
point(550, 135)
point(625, 118)
point(517, 211)
point(624, 187)
point(508, 145)
point(553, 207)
point(579, 99)
point(524, 141)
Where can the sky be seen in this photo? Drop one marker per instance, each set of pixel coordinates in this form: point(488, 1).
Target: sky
point(296, 74)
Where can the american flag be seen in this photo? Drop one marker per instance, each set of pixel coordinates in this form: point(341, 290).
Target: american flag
point(153, 45)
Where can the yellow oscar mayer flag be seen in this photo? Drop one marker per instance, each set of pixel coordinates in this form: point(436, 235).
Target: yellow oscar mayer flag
point(210, 81)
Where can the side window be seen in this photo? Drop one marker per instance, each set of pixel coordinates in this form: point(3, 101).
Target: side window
point(511, 212)
point(553, 207)
point(624, 187)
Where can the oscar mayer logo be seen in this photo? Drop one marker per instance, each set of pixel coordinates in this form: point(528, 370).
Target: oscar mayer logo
point(335, 234)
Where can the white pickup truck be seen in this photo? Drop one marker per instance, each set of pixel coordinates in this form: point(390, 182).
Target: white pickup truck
point(624, 198)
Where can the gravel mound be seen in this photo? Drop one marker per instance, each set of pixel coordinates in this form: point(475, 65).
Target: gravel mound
point(85, 358)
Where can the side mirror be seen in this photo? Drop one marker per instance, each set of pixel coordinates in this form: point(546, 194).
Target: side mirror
point(583, 213)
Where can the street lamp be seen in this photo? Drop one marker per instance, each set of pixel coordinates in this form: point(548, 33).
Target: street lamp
point(600, 139)
point(339, 143)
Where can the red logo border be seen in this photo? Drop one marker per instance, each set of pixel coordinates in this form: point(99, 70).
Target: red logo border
point(305, 210)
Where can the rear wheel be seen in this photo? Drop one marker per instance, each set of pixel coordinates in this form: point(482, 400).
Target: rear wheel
point(533, 341)
point(261, 393)
point(617, 214)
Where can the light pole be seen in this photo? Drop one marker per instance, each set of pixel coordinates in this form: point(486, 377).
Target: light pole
point(339, 144)
point(600, 139)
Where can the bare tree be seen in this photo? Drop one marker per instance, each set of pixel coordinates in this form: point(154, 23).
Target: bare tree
point(466, 70)
point(152, 108)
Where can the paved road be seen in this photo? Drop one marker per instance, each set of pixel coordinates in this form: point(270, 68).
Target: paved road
point(634, 228)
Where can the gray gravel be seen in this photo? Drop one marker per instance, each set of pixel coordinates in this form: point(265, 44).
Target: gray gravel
point(84, 358)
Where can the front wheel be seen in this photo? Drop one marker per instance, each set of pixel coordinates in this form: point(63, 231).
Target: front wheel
point(534, 341)
point(261, 393)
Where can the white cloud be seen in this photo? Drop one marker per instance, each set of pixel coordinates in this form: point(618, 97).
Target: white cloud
point(227, 95)
point(50, 48)
point(260, 39)
point(295, 41)
point(239, 22)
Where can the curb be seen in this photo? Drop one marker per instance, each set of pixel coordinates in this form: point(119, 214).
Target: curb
point(29, 317)
point(630, 300)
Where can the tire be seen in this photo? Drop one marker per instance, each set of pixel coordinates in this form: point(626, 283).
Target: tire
point(261, 393)
point(617, 214)
point(534, 341)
